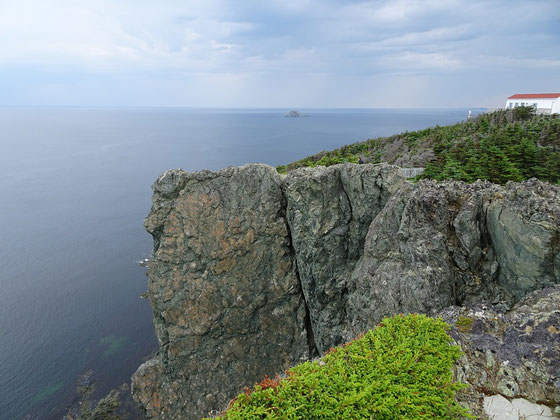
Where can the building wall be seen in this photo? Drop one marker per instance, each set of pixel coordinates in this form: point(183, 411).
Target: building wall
point(411, 172)
point(541, 103)
point(547, 104)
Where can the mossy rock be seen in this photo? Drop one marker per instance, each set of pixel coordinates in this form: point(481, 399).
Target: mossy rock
point(464, 324)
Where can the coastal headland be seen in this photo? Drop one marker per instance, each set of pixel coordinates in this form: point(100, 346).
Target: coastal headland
point(253, 272)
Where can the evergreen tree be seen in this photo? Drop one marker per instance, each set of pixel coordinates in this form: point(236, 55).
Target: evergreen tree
point(500, 146)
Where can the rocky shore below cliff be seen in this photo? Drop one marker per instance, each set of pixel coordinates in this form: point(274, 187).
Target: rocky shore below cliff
point(253, 272)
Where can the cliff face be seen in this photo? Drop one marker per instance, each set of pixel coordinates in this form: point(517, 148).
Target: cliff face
point(252, 273)
point(329, 212)
point(227, 300)
point(441, 244)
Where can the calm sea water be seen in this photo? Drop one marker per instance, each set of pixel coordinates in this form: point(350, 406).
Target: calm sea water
point(74, 190)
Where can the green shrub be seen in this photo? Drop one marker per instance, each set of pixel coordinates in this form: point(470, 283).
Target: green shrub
point(400, 370)
point(502, 146)
point(524, 112)
point(281, 169)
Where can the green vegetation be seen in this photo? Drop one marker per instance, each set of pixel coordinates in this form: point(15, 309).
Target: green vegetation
point(463, 324)
point(400, 370)
point(506, 145)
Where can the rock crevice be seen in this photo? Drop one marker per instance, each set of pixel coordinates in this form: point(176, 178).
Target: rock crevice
point(313, 351)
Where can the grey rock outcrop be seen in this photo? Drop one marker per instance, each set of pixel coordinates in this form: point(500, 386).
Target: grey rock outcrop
point(514, 354)
point(252, 272)
point(227, 302)
point(441, 244)
point(329, 211)
point(496, 407)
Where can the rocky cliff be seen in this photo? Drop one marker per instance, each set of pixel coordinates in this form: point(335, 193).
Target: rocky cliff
point(252, 272)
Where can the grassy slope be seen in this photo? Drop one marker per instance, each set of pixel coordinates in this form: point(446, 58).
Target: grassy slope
point(499, 146)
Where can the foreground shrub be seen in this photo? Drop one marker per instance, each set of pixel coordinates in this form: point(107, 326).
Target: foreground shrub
point(400, 370)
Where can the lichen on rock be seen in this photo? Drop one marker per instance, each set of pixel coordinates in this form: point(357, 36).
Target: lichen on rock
point(514, 354)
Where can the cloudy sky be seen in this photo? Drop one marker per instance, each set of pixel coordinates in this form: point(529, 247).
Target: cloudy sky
point(277, 53)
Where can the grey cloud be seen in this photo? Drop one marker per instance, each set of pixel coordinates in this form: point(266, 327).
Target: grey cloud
point(270, 47)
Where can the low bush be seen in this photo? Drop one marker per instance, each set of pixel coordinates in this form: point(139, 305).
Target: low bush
point(400, 370)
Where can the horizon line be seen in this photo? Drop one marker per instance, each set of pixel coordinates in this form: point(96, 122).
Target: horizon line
point(245, 108)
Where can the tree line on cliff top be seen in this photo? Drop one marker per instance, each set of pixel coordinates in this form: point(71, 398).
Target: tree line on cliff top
point(505, 145)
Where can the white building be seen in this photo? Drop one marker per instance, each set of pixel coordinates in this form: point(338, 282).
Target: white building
point(544, 103)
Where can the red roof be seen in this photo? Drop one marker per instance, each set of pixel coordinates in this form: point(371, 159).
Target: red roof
point(535, 96)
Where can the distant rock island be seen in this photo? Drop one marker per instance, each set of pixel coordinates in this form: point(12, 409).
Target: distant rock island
point(295, 114)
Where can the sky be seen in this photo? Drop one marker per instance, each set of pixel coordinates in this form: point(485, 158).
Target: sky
point(277, 53)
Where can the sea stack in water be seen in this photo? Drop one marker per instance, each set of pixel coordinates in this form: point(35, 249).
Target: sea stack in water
point(252, 272)
point(294, 114)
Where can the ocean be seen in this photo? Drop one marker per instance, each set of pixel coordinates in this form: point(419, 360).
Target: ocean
point(74, 190)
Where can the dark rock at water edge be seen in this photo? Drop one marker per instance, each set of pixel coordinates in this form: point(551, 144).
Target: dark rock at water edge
point(115, 405)
point(252, 272)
